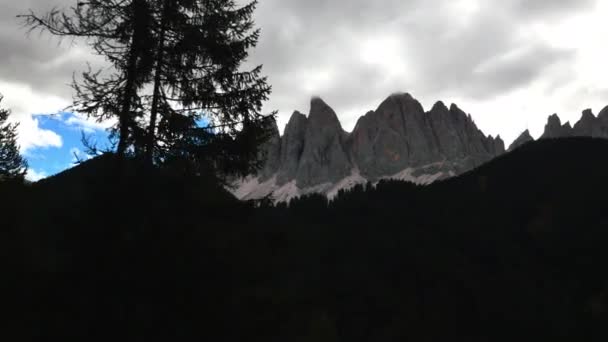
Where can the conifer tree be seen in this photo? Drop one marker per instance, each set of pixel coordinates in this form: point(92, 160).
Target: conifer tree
point(120, 31)
point(189, 54)
point(200, 48)
point(12, 164)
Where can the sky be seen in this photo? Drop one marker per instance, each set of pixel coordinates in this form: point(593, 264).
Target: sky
point(509, 63)
point(44, 161)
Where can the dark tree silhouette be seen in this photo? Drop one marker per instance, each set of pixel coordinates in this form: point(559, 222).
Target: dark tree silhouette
point(122, 32)
point(12, 164)
point(189, 53)
point(200, 48)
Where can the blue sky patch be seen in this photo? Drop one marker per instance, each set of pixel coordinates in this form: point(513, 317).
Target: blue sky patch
point(47, 161)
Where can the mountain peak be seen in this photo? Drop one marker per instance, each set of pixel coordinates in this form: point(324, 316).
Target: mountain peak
point(393, 101)
point(523, 138)
point(603, 114)
point(323, 157)
point(587, 125)
point(439, 106)
point(403, 96)
point(587, 114)
point(296, 117)
point(459, 114)
point(555, 129)
point(322, 112)
point(554, 119)
point(317, 101)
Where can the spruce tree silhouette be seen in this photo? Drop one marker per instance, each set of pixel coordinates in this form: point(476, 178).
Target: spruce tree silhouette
point(121, 32)
point(190, 54)
point(199, 50)
point(12, 164)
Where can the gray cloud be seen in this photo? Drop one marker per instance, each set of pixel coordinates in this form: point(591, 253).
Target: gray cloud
point(520, 67)
point(441, 48)
point(39, 61)
point(545, 8)
point(352, 53)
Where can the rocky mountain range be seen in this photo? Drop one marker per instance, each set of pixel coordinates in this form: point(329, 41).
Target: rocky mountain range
point(589, 125)
point(398, 140)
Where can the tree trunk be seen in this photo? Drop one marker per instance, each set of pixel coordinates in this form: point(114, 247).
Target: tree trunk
point(124, 115)
point(123, 119)
point(156, 94)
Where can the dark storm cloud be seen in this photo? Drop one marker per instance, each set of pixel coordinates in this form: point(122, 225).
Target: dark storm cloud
point(435, 48)
point(36, 60)
point(509, 71)
point(444, 49)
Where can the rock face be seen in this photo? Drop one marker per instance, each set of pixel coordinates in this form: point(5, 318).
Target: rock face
point(588, 126)
point(324, 158)
point(459, 140)
point(397, 135)
point(400, 135)
point(271, 153)
point(292, 145)
point(523, 138)
point(591, 126)
point(397, 140)
point(555, 129)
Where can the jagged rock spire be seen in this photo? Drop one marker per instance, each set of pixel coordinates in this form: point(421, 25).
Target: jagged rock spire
point(292, 145)
point(324, 157)
point(399, 137)
point(523, 138)
point(555, 129)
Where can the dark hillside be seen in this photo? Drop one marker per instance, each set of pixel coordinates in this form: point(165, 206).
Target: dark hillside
point(513, 250)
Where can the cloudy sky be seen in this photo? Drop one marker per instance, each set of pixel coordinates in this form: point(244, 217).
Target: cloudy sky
point(510, 63)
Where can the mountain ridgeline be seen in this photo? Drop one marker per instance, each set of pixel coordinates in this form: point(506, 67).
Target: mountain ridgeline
point(589, 125)
point(399, 140)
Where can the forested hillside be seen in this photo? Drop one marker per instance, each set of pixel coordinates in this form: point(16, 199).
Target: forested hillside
point(513, 250)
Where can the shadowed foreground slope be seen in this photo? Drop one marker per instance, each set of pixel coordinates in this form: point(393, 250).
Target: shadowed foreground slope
point(515, 249)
